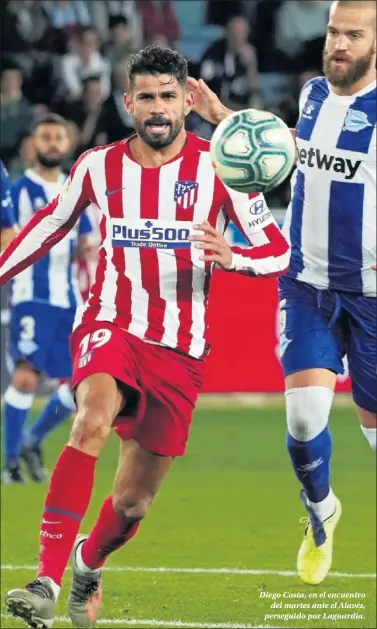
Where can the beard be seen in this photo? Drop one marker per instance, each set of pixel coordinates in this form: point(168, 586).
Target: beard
point(346, 77)
point(158, 139)
point(49, 161)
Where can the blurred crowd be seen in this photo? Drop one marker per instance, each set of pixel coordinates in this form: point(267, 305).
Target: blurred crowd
point(69, 57)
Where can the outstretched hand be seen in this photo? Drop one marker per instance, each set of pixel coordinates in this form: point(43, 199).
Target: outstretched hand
point(206, 103)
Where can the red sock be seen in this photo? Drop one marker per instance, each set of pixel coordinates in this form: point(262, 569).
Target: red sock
point(67, 500)
point(109, 533)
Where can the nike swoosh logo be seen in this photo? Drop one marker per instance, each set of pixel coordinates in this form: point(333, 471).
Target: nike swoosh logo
point(109, 193)
point(47, 522)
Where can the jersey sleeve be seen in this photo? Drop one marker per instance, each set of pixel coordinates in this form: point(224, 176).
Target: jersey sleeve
point(8, 219)
point(269, 252)
point(50, 224)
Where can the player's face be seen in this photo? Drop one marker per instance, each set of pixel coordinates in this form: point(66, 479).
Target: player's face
point(51, 144)
point(350, 46)
point(158, 105)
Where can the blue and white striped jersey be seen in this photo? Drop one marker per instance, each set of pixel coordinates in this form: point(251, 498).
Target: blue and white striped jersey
point(331, 220)
point(51, 280)
point(7, 218)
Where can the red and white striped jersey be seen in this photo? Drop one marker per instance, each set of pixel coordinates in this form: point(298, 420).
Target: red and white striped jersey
point(149, 279)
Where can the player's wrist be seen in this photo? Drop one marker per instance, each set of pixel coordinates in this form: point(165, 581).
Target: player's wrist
point(222, 113)
point(241, 264)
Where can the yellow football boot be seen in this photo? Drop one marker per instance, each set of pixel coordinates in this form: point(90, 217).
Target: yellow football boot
point(315, 555)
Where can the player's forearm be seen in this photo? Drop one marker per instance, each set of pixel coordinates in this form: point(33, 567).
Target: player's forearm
point(37, 237)
point(267, 260)
point(222, 113)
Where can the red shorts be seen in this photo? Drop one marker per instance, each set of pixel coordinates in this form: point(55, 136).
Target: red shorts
point(164, 384)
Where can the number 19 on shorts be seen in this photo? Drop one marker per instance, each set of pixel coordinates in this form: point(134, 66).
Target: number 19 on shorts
point(90, 342)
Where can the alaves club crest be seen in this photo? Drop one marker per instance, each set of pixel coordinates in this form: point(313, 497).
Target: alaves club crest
point(356, 121)
point(186, 193)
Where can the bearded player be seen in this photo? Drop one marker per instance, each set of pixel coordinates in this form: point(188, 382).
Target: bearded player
point(328, 297)
point(139, 342)
point(43, 301)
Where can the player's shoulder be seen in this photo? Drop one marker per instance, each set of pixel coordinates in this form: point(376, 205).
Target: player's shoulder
point(317, 87)
point(196, 144)
point(96, 154)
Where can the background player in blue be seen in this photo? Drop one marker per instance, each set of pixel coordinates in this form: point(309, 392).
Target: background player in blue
point(43, 301)
point(8, 220)
point(328, 296)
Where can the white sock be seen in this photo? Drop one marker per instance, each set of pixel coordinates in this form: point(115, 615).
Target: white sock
point(326, 507)
point(54, 586)
point(370, 434)
point(80, 564)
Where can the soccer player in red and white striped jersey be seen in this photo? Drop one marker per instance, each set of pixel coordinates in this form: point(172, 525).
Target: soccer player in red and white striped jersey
point(139, 342)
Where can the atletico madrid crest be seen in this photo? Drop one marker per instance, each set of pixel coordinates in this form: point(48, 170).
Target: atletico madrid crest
point(186, 193)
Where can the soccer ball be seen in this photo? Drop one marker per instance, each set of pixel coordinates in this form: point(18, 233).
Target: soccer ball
point(252, 151)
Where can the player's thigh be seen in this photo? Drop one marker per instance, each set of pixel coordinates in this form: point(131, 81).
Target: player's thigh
point(171, 383)
point(311, 345)
point(311, 378)
point(31, 334)
point(361, 354)
point(102, 348)
point(138, 478)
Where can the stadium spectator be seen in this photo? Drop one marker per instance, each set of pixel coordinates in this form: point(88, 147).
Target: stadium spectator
point(67, 15)
point(31, 23)
point(84, 63)
point(121, 43)
point(24, 159)
point(160, 24)
point(220, 13)
point(102, 11)
point(300, 28)
point(115, 122)
point(16, 113)
point(85, 114)
point(229, 65)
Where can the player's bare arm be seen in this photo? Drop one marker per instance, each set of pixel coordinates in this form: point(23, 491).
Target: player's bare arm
point(208, 105)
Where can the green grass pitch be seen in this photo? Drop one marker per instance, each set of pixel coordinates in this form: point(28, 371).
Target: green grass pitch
point(231, 503)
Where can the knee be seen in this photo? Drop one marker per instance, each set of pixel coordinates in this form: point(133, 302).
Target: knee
point(308, 410)
point(130, 506)
point(25, 379)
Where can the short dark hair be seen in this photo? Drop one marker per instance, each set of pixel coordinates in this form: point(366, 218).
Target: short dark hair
point(157, 60)
point(117, 20)
point(49, 119)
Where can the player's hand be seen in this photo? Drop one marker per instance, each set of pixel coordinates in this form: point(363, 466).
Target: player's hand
point(206, 103)
point(214, 243)
point(374, 267)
